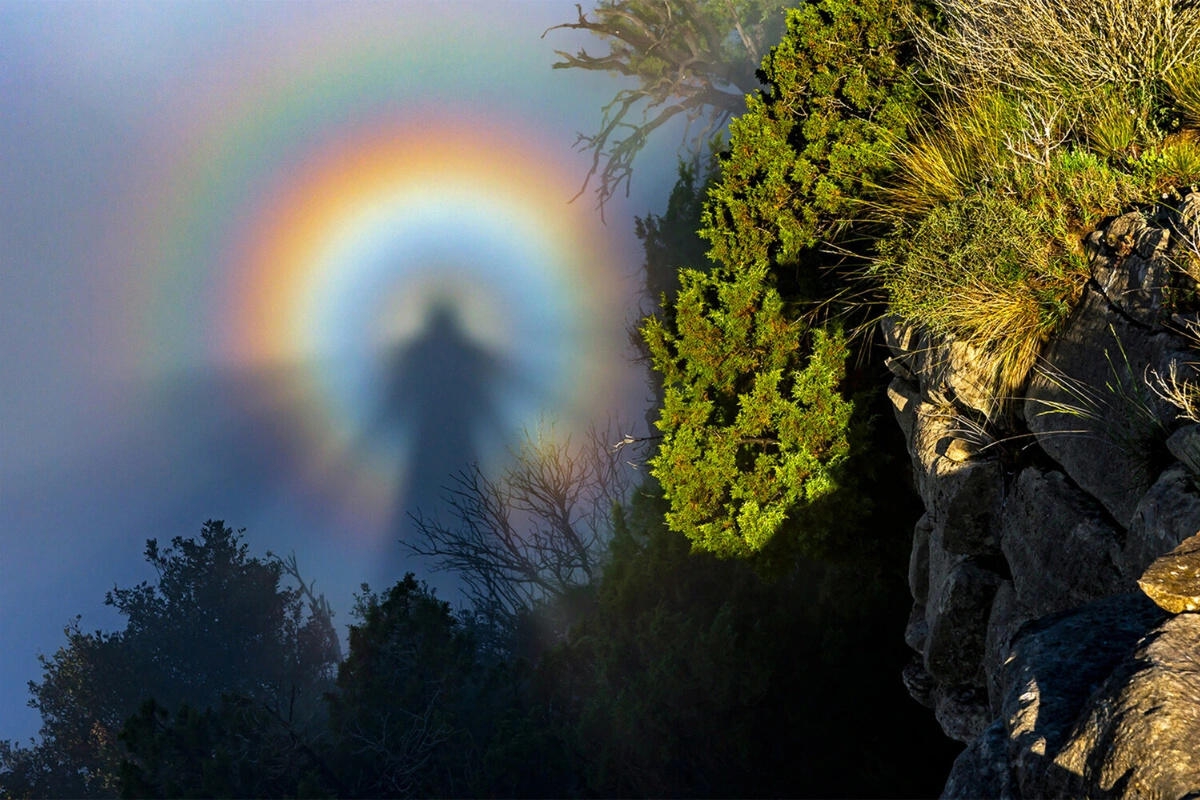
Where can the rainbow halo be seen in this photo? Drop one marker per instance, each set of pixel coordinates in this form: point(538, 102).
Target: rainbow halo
point(341, 258)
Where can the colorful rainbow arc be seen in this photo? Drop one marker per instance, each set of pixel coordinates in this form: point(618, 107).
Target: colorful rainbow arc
point(343, 256)
point(309, 193)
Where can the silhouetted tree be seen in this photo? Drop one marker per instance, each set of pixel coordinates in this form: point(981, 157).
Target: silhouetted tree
point(418, 710)
point(35, 772)
point(410, 716)
point(695, 58)
point(240, 748)
point(671, 240)
point(216, 622)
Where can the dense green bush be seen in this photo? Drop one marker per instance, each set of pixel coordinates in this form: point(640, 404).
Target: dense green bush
point(755, 420)
point(840, 92)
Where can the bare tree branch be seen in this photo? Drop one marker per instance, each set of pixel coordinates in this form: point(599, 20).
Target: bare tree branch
point(692, 57)
point(319, 607)
point(533, 534)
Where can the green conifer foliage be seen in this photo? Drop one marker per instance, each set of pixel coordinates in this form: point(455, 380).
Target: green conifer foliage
point(753, 421)
point(840, 93)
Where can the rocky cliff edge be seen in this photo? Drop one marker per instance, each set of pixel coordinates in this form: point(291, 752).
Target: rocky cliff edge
point(1056, 572)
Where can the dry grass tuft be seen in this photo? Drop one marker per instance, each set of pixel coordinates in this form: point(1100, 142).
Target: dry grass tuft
point(1061, 48)
point(1184, 84)
point(987, 272)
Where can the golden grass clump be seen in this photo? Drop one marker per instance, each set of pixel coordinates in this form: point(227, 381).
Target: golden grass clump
point(1047, 116)
point(986, 272)
point(1173, 162)
point(1117, 124)
point(1184, 84)
point(944, 164)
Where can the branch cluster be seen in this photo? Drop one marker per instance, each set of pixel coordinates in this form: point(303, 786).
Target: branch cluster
point(687, 57)
point(531, 535)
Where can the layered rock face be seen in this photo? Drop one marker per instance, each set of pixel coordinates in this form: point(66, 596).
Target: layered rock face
point(1035, 643)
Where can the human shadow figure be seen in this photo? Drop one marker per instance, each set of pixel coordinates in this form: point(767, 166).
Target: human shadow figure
point(441, 392)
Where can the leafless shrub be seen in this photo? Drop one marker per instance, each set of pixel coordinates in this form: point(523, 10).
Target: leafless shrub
point(533, 534)
point(685, 58)
point(1180, 392)
point(400, 747)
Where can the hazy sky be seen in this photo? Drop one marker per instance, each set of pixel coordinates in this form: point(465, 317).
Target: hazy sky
point(226, 232)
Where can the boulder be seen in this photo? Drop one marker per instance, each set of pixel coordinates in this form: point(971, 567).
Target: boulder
point(1059, 547)
point(1005, 621)
point(966, 504)
point(935, 425)
point(916, 632)
point(962, 711)
point(961, 449)
point(1088, 402)
point(918, 561)
point(1055, 666)
point(1139, 736)
point(1184, 444)
point(1090, 409)
point(1166, 515)
point(957, 373)
point(1185, 229)
point(908, 346)
point(962, 490)
point(982, 769)
point(1173, 581)
point(919, 683)
point(948, 370)
point(941, 565)
point(905, 397)
point(957, 617)
point(1130, 267)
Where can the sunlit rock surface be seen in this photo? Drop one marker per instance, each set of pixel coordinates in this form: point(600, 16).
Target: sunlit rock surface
point(1033, 643)
point(1173, 581)
point(1052, 671)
